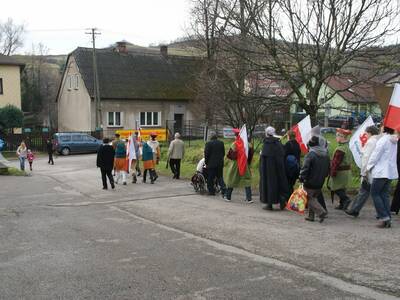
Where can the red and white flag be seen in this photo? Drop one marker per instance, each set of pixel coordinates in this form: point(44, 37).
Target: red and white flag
point(359, 139)
point(392, 117)
point(303, 133)
point(242, 148)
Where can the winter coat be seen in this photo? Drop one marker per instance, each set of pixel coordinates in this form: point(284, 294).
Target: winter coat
point(315, 168)
point(340, 168)
point(233, 178)
point(105, 157)
point(214, 153)
point(49, 146)
point(176, 149)
point(382, 161)
point(292, 147)
point(274, 186)
point(366, 153)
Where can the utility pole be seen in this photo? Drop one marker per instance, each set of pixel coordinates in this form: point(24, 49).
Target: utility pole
point(96, 90)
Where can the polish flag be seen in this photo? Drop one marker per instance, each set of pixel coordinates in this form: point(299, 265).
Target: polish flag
point(303, 133)
point(242, 148)
point(392, 117)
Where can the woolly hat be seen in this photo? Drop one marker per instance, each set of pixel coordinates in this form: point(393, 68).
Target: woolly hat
point(270, 131)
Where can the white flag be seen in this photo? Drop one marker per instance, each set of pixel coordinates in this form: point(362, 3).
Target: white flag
point(359, 139)
point(131, 150)
point(243, 136)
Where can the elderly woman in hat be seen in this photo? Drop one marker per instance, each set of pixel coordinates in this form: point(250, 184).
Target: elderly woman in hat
point(341, 168)
point(274, 186)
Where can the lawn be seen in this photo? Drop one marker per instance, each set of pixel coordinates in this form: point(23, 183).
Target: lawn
point(195, 152)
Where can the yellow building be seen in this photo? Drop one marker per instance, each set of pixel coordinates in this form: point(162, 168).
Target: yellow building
point(10, 81)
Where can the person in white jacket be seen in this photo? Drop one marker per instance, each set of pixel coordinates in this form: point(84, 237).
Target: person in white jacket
point(381, 167)
point(372, 133)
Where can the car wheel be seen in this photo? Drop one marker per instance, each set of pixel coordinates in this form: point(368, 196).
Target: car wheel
point(65, 151)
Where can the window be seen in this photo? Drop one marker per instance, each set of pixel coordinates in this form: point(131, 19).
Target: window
point(150, 118)
point(77, 138)
point(1, 86)
point(65, 138)
point(73, 82)
point(88, 138)
point(114, 118)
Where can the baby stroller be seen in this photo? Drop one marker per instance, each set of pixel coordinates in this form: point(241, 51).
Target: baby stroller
point(199, 183)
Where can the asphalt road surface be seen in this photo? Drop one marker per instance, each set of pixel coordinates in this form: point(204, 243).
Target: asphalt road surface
point(63, 237)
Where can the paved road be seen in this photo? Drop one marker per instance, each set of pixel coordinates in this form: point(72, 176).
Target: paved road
point(63, 237)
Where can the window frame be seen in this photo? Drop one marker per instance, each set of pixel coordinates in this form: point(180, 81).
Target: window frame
point(150, 124)
point(115, 118)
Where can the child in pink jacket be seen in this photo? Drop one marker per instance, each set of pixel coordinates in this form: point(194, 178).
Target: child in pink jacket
point(30, 158)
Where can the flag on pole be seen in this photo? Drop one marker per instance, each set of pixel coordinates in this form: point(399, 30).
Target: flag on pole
point(359, 139)
point(130, 151)
point(242, 148)
point(392, 117)
point(303, 133)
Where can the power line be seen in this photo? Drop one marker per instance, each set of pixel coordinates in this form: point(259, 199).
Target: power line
point(55, 30)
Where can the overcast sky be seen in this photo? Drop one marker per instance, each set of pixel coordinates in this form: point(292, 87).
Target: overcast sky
point(60, 25)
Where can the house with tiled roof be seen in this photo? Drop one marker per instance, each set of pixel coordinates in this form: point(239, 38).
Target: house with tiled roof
point(10, 81)
point(137, 89)
point(343, 96)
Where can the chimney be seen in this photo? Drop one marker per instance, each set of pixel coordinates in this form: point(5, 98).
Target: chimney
point(121, 47)
point(164, 51)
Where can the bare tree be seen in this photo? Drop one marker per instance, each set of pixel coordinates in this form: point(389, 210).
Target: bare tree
point(307, 42)
point(11, 37)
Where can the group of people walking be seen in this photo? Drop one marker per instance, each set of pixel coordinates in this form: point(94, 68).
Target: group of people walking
point(26, 155)
point(124, 156)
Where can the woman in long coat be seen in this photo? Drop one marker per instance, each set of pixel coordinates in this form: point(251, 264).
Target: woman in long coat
point(274, 186)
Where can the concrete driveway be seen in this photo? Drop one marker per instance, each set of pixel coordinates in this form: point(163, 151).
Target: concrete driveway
point(62, 236)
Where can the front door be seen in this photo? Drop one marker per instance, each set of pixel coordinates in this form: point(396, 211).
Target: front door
point(178, 126)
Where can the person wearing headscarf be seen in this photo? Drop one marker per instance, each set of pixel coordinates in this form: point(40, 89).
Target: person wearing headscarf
point(372, 133)
point(238, 172)
point(176, 152)
point(341, 168)
point(274, 187)
point(380, 165)
point(312, 174)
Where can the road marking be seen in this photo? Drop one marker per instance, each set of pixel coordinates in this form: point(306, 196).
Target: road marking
point(332, 281)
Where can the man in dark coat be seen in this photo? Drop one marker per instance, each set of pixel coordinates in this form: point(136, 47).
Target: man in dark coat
point(313, 173)
point(214, 153)
point(274, 186)
point(49, 146)
point(105, 161)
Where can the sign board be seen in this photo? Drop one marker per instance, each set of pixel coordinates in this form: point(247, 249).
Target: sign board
point(45, 129)
point(27, 130)
point(383, 94)
point(144, 133)
point(228, 133)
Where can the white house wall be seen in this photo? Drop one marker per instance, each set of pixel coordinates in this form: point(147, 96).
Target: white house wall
point(74, 104)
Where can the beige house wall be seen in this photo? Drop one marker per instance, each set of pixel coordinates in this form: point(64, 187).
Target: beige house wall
point(131, 110)
point(11, 86)
point(74, 103)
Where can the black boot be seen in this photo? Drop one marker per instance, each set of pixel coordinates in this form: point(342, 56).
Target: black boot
point(153, 176)
point(144, 176)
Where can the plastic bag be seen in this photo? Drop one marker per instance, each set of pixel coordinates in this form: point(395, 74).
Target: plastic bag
point(298, 200)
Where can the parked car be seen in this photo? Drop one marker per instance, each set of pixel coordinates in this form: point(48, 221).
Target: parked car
point(66, 143)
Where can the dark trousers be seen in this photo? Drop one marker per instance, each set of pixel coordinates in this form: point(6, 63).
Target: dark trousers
point(321, 200)
point(218, 174)
point(395, 207)
point(313, 204)
point(175, 165)
point(344, 199)
point(104, 173)
point(361, 198)
point(51, 158)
